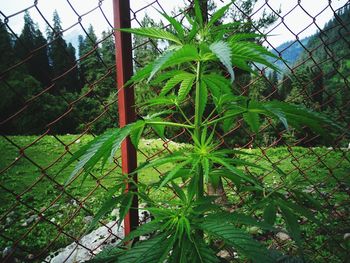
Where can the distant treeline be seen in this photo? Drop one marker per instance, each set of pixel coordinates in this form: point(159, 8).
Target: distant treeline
point(73, 93)
point(319, 80)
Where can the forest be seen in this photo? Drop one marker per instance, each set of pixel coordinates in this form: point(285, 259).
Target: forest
point(314, 73)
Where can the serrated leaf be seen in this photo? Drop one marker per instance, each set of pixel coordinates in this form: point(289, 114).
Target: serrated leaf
point(270, 213)
point(158, 63)
point(177, 26)
point(237, 238)
point(198, 12)
point(223, 51)
point(292, 224)
point(204, 253)
point(185, 87)
point(149, 251)
point(179, 192)
point(152, 33)
point(237, 218)
point(136, 132)
point(107, 206)
point(252, 118)
point(144, 229)
point(125, 205)
point(232, 169)
point(218, 14)
point(100, 148)
point(171, 83)
point(173, 172)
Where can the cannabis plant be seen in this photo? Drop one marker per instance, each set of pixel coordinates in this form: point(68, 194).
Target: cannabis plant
point(193, 227)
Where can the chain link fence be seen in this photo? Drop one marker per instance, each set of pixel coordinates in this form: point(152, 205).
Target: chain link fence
point(51, 109)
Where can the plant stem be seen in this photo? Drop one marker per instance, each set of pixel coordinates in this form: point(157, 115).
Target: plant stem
point(197, 127)
point(167, 123)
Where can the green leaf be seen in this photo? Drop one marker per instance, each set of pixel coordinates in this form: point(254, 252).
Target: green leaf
point(110, 202)
point(237, 238)
point(144, 229)
point(218, 14)
point(179, 192)
point(108, 255)
point(100, 148)
point(237, 218)
point(292, 224)
point(198, 12)
point(171, 83)
point(223, 51)
point(157, 65)
point(125, 205)
point(177, 26)
point(204, 254)
point(152, 33)
point(150, 251)
point(252, 118)
point(203, 99)
point(270, 213)
point(232, 169)
point(173, 172)
point(206, 167)
point(185, 87)
point(135, 134)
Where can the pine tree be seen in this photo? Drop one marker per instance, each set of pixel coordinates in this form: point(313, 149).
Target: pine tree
point(62, 58)
point(31, 44)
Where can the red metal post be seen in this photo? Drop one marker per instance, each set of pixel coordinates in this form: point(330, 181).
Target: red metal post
point(124, 66)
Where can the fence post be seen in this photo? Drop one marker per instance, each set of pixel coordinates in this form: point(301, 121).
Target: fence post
point(124, 68)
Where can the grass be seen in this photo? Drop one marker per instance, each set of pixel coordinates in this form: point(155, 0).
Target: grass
point(304, 168)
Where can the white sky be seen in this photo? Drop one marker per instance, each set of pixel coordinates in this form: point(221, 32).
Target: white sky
point(297, 20)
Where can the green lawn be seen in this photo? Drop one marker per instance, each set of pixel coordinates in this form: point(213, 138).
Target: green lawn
point(303, 167)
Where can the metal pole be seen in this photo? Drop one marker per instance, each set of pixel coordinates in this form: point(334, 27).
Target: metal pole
point(124, 67)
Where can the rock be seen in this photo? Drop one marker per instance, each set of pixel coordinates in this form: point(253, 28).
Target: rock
point(115, 212)
point(96, 241)
point(282, 236)
point(7, 251)
point(30, 220)
point(224, 254)
point(9, 220)
point(30, 256)
point(73, 202)
point(11, 214)
point(346, 236)
point(88, 219)
point(77, 141)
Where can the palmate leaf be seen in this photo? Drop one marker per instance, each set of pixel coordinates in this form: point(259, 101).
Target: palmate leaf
point(185, 87)
point(152, 32)
point(252, 118)
point(153, 250)
point(177, 26)
point(171, 83)
point(144, 229)
point(270, 213)
point(110, 202)
point(237, 238)
point(157, 65)
point(236, 218)
point(226, 163)
point(223, 51)
point(125, 205)
point(101, 148)
point(292, 224)
point(202, 253)
point(218, 14)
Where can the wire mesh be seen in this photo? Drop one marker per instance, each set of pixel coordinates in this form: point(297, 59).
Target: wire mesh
point(60, 220)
